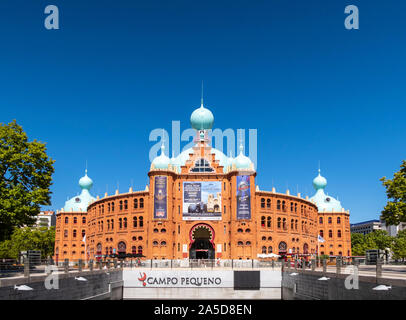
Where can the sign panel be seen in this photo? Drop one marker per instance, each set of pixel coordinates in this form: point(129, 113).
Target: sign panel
point(147, 278)
point(243, 197)
point(202, 200)
point(160, 198)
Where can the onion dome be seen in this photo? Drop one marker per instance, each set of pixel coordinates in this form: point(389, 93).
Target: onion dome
point(319, 182)
point(325, 203)
point(242, 161)
point(162, 161)
point(202, 119)
point(80, 202)
point(85, 182)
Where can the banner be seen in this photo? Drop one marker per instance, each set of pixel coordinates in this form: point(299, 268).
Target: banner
point(243, 197)
point(160, 198)
point(202, 200)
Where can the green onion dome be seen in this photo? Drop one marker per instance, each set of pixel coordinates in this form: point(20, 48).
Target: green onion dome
point(202, 119)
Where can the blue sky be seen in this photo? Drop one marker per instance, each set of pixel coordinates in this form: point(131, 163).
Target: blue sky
point(115, 70)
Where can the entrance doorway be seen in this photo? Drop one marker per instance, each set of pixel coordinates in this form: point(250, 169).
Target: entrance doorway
point(202, 247)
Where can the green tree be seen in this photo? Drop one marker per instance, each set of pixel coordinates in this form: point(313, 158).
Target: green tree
point(395, 209)
point(23, 239)
point(399, 248)
point(358, 244)
point(379, 239)
point(25, 178)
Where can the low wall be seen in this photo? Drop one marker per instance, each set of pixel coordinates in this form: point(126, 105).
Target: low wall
point(144, 283)
point(304, 285)
point(100, 285)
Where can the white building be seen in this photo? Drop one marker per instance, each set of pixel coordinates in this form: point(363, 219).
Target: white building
point(366, 227)
point(46, 219)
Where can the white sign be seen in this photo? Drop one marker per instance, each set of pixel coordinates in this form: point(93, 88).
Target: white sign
point(147, 278)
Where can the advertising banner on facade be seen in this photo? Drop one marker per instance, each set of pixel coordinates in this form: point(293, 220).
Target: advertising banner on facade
point(160, 198)
point(202, 200)
point(243, 197)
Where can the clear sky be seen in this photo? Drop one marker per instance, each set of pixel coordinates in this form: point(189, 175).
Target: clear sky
point(115, 70)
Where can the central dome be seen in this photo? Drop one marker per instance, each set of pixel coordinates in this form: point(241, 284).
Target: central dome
point(202, 119)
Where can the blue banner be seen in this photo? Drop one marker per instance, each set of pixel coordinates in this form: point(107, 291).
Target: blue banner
point(243, 197)
point(160, 198)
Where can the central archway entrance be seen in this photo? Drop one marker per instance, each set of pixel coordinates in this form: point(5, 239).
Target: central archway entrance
point(201, 236)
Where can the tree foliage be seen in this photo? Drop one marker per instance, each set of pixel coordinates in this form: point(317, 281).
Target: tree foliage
point(378, 239)
point(395, 209)
point(23, 239)
point(25, 178)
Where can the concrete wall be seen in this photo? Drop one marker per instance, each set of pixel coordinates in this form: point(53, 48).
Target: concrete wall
point(101, 285)
point(306, 286)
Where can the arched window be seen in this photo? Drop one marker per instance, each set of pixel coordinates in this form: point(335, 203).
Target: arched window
point(284, 224)
point(75, 220)
point(248, 230)
point(155, 243)
point(268, 222)
point(65, 233)
point(320, 220)
point(141, 222)
point(330, 220)
point(263, 238)
point(134, 250)
point(292, 224)
point(112, 206)
point(125, 223)
point(279, 223)
point(263, 222)
point(268, 203)
point(321, 233)
point(305, 248)
point(125, 204)
point(330, 233)
point(84, 220)
point(83, 233)
point(240, 243)
point(156, 230)
point(339, 233)
point(142, 203)
point(269, 249)
point(291, 206)
point(108, 207)
point(202, 165)
point(140, 238)
point(283, 205)
point(135, 203)
point(278, 205)
point(248, 243)
point(163, 230)
point(121, 248)
point(139, 250)
point(295, 207)
point(121, 205)
point(74, 233)
point(338, 220)
point(263, 249)
point(66, 220)
point(112, 224)
point(120, 223)
point(134, 222)
point(239, 230)
point(296, 224)
point(163, 243)
point(262, 203)
point(269, 238)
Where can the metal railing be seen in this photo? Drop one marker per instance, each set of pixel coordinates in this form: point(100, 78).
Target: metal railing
point(202, 264)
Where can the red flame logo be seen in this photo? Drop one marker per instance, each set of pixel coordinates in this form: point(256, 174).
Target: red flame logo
point(143, 278)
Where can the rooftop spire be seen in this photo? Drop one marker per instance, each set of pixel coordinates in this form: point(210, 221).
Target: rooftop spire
point(201, 100)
